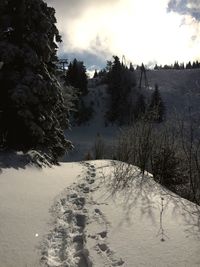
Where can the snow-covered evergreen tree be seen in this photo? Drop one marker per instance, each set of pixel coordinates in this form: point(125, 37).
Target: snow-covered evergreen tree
point(32, 110)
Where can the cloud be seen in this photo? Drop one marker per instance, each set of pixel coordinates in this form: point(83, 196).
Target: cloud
point(69, 9)
point(190, 9)
point(143, 30)
point(90, 59)
point(185, 7)
point(80, 39)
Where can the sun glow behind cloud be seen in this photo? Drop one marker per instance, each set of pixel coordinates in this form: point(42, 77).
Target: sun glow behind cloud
point(142, 30)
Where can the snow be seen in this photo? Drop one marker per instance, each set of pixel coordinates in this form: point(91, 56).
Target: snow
point(83, 137)
point(77, 215)
point(131, 219)
point(26, 196)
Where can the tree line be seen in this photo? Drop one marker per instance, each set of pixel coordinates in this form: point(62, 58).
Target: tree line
point(126, 101)
point(179, 66)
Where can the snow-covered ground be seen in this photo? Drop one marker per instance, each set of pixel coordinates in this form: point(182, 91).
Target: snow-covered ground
point(77, 214)
point(26, 195)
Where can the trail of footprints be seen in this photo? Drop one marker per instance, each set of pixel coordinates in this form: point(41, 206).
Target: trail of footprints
point(66, 245)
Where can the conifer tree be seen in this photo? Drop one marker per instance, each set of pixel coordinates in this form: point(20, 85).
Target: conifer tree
point(188, 65)
point(131, 68)
point(156, 67)
point(176, 65)
point(120, 82)
point(76, 76)
point(114, 88)
point(95, 74)
point(156, 110)
point(32, 111)
point(140, 107)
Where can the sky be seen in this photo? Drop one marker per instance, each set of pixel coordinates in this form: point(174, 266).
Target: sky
point(148, 31)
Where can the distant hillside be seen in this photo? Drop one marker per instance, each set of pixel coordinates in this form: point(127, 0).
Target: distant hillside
point(180, 90)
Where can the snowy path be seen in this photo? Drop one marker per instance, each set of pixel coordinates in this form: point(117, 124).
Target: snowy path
point(70, 243)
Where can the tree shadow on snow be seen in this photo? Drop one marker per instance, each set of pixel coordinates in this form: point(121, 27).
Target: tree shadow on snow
point(142, 198)
point(13, 159)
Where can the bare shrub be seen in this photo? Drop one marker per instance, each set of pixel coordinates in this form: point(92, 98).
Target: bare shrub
point(171, 152)
point(123, 174)
point(134, 144)
point(165, 159)
point(88, 156)
point(99, 148)
point(165, 167)
point(190, 148)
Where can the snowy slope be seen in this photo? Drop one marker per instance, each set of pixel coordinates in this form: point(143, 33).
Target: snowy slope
point(75, 215)
point(180, 90)
point(83, 137)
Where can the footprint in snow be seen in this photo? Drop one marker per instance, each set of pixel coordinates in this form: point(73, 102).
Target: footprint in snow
point(91, 173)
point(65, 244)
point(103, 234)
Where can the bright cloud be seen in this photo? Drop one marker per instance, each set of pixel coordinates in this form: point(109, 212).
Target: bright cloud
point(142, 30)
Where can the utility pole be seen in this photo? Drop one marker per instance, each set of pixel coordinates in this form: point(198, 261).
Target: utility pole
point(62, 63)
